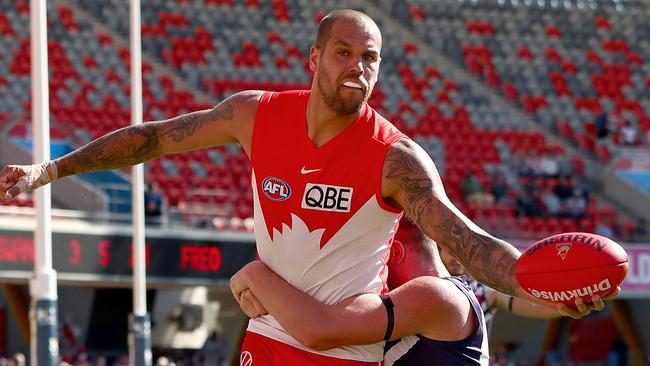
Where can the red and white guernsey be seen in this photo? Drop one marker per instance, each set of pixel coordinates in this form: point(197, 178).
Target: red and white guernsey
point(320, 220)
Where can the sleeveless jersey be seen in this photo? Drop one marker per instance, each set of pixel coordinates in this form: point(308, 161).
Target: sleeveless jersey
point(421, 351)
point(480, 291)
point(320, 220)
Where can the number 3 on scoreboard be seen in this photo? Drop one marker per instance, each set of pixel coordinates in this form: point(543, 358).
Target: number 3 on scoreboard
point(75, 252)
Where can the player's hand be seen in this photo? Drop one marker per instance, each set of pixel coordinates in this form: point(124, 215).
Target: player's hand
point(250, 305)
point(17, 179)
point(238, 284)
point(583, 309)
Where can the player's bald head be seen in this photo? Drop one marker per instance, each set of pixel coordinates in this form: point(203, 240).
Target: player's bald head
point(357, 18)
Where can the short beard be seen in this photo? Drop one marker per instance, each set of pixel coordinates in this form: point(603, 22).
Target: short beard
point(338, 104)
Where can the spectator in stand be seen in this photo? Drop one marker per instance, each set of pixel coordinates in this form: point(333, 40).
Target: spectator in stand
point(100, 360)
point(470, 186)
point(499, 188)
point(564, 188)
point(552, 204)
point(123, 361)
point(606, 228)
point(152, 201)
point(473, 191)
point(213, 350)
point(529, 185)
point(549, 164)
point(641, 230)
point(534, 163)
point(629, 133)
point(531, 166)
point(564, 166)
point(602, 125)
point(518, 163)
point(529, 204)
point(575, 206)
point(82, 360)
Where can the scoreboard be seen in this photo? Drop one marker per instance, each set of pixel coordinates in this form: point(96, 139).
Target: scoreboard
point(104, 256)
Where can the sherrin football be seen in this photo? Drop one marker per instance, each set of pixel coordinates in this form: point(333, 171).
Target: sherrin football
point(566, 266)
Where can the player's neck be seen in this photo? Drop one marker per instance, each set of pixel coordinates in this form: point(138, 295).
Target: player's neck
point(323, 124)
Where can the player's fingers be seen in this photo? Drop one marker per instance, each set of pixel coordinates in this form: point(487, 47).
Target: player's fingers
point(15, 190)
point(236, 293)
point(598, 303)
point(7, 180)
point(9, 175)
point(255, 302)
point(6, 175)
point(582, 307)
point(236, 286)
point(255, 307)
point(23, 184)
point(613, 294)
point(562, 309)
point(567, 311)
point(244, 305)
point(248, 306)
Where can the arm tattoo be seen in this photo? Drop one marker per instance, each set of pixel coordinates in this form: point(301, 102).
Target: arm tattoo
point(136, 144)
point(190, 123)
point(489, 260)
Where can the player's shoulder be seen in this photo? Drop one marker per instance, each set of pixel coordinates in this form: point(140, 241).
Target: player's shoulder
point(242, 108)
point(247, 98)
point(285, 95)
point(384, 131)
point(431, 290)
point(406, 151)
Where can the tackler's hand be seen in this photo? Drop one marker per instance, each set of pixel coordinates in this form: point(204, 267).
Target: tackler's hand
point(250, 305)
point(17, 179)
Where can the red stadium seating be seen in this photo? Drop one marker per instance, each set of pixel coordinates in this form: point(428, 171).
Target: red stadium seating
point(426, 102)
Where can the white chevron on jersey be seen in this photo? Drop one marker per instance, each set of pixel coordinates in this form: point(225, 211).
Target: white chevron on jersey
point(331, 273)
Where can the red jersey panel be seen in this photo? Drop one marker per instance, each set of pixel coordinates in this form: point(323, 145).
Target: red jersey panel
point(320, 220)
point(258, 350)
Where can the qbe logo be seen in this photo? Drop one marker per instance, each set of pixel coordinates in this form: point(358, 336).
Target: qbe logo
point(327, 198)
point(276, 189)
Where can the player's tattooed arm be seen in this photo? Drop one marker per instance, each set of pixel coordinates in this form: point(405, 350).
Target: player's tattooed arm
point(411, 179)
point(225, 123)
point(135, 144)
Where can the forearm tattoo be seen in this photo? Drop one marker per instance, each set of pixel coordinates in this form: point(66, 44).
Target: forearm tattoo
point(135, 144)
point(489, 260)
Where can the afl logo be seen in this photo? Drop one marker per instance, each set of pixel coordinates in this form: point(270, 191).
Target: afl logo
point(276, 189)
point(245, 359)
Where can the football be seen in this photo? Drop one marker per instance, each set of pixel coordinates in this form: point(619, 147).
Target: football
point(563, 267)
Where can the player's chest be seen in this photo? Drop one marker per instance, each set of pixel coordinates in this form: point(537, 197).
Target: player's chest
point(325, 185)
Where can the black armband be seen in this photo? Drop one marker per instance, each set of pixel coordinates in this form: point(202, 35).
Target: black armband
point(388, 304)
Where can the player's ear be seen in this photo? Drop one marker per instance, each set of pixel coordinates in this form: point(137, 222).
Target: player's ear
point(314, 55)
point(396, 252)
